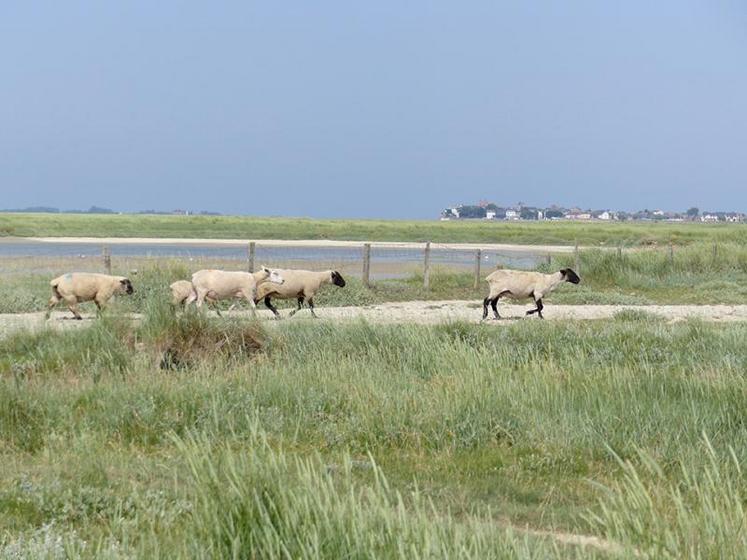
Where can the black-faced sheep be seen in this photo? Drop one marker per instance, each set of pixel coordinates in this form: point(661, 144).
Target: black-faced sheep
point(299, 285)
point(77, 287)
point(519, 284)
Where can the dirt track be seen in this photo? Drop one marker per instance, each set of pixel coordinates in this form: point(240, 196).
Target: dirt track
point(428, 312)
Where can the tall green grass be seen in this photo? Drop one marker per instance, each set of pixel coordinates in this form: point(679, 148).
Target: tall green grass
point(699, 513)
point(693, 274)
point(263, 503)
point(588, 427)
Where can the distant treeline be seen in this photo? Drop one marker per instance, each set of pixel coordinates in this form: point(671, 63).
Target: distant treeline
point(100, 210)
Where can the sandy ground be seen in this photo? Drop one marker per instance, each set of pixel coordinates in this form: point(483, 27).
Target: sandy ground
point(503, 247)
point(423, 312)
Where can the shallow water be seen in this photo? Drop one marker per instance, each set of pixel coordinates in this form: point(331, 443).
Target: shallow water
point(328, 256)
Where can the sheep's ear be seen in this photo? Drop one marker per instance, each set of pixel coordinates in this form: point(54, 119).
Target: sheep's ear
point(124, 282)
point(265, 269)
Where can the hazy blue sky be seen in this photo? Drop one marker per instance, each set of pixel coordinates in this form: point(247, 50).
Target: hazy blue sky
point(373, 109)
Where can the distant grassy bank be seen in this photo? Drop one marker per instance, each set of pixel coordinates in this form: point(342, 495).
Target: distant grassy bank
point(235, 227)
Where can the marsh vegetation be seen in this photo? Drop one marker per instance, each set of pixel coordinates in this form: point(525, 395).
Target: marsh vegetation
point(321, 440)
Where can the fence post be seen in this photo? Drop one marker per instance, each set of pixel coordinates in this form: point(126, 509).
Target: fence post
point(427, 266)
point(478, 257)
point(549, 259)
point(250, 256)
point(107, 255)
point(715, 250)
point(619, 252)
point(367, 265)
point(671, 253)
point(576, 258)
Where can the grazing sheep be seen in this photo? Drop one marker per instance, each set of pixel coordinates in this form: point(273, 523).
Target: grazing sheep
point(181, 290)
point(77, 287)
point(518, 284)
point(215, 285)
point(299, 284)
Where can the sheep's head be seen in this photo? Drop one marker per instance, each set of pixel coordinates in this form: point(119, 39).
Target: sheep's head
point(273, 276)
point(126, 286)
point(337, 279)
point(570, 276)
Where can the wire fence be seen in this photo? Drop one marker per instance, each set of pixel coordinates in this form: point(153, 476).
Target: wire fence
point(369, 262)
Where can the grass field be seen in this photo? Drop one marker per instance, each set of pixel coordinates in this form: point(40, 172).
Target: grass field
point(216, 227)
point(204, 438)
point(692, 275)
point(197, 437)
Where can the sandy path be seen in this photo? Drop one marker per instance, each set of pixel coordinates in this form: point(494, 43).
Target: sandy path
point(427, 312)
point(501, 247)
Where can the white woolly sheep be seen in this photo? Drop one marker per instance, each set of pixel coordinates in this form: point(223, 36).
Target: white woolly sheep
point(183, 293)
point(77, 287)
point(299, 284)
point(519, 284)
point(181, 290)
point(215, 285)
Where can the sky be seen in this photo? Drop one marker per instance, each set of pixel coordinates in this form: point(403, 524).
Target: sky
point(373, 109)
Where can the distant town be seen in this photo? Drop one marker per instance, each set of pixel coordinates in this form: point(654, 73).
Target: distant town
point(490, 211)
point(481, 211)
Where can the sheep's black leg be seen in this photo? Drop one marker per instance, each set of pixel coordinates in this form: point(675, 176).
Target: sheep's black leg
point(311, 306)
point(300, 305)
point(494, 305)
point(268, 305)
point(485, 303)
point(538, 311)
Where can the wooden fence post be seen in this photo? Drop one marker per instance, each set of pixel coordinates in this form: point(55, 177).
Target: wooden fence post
point(250, 256)
point(549, 259)
point(715, 250)
point(478, 258)
point(427, 266)
point(367, 265)
point(619, 252)
point(107, 255)
point(576, 258)
point(671, 254)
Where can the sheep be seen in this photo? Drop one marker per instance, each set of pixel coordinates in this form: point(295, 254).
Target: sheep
point(181, 290)
point(518, 284)
point(77, 287)
point(215, 285)
point(299, 284)
point(183, 293)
